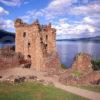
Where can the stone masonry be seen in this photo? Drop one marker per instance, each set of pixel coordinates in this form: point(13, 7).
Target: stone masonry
point(82, 62)
point(38, 44)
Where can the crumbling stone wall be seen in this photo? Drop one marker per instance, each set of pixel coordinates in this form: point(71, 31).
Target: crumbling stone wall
point(83, 63)
point(36, 42)
point(8, 58)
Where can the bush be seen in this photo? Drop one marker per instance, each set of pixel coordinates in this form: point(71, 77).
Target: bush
point(63, 66)
point(96, 64)
point(76, 74)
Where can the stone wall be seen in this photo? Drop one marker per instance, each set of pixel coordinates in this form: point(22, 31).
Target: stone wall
point(8, 58)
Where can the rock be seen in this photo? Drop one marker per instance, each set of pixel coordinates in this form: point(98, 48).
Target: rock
point(33, 77)
point(41, 81)
point(45, 82)
point(92, 78)
point(19, 79)
point(27, 65)
point(82, 63)
point(9, 79)
point(96, 82)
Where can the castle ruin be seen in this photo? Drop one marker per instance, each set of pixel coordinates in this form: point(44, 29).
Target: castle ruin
point(37, 43)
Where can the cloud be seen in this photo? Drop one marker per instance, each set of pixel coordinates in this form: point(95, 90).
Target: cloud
point(91, 8)
point(89, 23)
point(6, 24)
point(11, 2)
point(30, 15)
point(58, 5)
point(3, 11)
point(88, 20)
point(54, 9)
point(66, 30)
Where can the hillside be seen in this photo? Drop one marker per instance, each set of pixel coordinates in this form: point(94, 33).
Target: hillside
point(6, 36)
point(93, 39)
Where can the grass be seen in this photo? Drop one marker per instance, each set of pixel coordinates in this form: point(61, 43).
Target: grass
point(34, 91)
point(91, 88)
point(76, 74)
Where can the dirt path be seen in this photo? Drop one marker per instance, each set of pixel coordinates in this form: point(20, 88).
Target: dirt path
point(81, 92)
point(24, 72)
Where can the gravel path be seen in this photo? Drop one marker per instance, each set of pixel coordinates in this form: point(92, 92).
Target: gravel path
point(81, 92)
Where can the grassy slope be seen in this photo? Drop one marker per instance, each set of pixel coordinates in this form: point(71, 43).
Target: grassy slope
point(34, 91)
point(91, 88)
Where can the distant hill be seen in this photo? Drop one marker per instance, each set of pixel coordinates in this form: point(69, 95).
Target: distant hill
point(93, 39)
point(6, 36)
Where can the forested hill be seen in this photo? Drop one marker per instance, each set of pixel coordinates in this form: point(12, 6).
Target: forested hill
point(92, 39)
point(6, 36)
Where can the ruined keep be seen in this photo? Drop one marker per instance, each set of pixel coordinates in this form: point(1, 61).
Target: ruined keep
point(37, 43)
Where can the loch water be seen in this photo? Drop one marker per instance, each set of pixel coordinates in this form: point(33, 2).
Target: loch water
point(67, 50)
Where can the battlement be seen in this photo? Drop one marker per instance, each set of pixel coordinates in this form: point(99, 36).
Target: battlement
point(19, 24)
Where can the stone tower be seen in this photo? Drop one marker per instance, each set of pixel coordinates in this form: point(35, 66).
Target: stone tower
point(37, 42)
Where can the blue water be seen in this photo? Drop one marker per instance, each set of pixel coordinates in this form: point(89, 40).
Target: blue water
point(67, 50)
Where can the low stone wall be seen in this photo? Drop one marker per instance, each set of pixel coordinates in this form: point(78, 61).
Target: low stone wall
point(92, 78)
point(8, 58)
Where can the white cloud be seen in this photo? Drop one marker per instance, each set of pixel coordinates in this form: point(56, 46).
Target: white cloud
point(59, 4)
point(30, 15)
point(66, 30)
point(88, 20)
point(56, 9)
point(11, 2)
point(3, 11)
point(91, 8)
point(6, 24)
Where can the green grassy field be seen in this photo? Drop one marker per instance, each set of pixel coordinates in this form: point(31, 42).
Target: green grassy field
point(34, 91)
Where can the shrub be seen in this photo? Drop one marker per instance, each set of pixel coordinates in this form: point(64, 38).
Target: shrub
point(63, 66)
point(76, 74)
point(96, 64)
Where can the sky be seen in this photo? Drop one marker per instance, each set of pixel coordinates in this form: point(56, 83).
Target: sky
point(71, 18)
